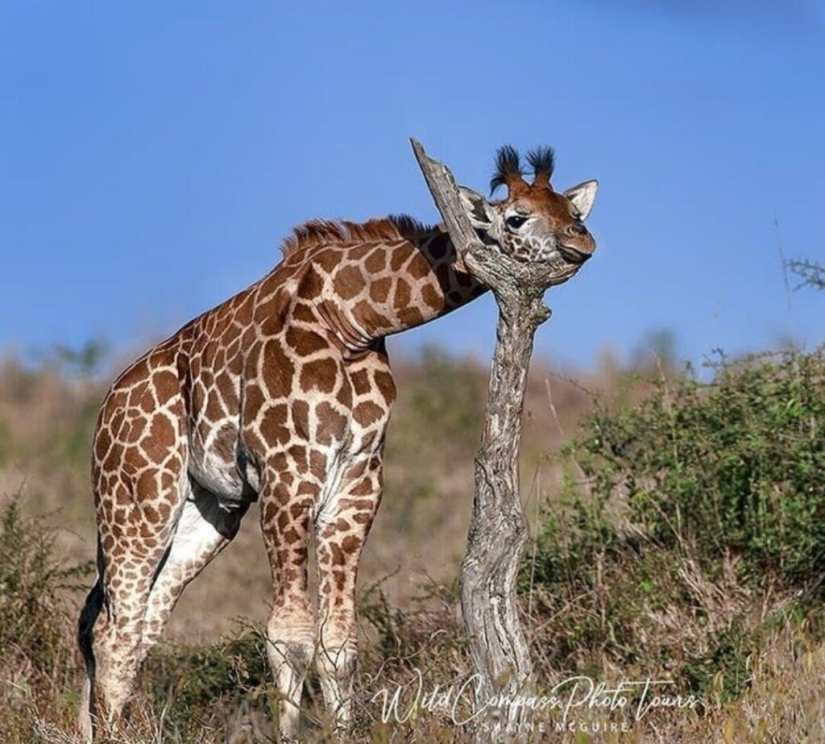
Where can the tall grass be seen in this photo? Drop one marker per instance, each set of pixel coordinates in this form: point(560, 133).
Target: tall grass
point(38, 671)
point(684, 543)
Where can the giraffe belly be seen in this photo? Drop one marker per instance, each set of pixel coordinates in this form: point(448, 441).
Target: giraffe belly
point(213, 465)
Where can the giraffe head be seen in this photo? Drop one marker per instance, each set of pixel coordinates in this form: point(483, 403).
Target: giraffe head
point(534, 223)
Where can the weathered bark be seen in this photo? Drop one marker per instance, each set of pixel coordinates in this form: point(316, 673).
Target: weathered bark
point(498, 529)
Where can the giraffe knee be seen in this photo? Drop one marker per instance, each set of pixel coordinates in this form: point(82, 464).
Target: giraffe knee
point(337, 661)
point(292, 622)
point(291, 643)
point(337, 658)
point(336, 670)
point(290, 648)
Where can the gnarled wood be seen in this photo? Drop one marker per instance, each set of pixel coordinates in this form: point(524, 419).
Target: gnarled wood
point(498, 529)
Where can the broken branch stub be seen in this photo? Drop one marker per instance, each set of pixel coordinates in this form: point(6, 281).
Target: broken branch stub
point(447, 198)
point(513, 282)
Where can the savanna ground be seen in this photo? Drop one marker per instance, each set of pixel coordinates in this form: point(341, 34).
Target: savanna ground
point(678, 535)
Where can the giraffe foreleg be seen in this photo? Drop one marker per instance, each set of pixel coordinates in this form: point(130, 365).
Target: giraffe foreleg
point(341, 534)
point(286, 516)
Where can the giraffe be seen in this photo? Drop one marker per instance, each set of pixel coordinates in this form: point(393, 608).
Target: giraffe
point(282, 394)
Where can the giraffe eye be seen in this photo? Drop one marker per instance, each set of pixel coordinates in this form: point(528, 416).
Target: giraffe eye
point(515, 221)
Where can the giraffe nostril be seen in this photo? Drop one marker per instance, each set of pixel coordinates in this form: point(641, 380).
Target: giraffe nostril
point(575, 229)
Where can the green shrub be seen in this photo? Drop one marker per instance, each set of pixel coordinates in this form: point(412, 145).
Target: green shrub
point(32, 580)
point(736, 466)
point(37, 655)
point(687, 526)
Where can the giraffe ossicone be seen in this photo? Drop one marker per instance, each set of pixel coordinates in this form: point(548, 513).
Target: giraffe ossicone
point(282, 394)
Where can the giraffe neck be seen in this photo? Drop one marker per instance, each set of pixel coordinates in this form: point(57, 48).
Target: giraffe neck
point(366, 291)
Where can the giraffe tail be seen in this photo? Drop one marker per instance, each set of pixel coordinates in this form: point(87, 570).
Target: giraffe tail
point(85, 640)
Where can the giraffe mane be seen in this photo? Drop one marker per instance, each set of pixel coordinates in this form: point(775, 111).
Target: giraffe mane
point(343, 232)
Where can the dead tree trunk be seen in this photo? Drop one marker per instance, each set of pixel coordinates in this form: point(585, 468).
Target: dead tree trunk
point(498, 529)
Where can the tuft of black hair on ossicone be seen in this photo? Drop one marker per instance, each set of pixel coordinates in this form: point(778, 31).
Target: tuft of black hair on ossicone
point(542, 160)
point(507, 165)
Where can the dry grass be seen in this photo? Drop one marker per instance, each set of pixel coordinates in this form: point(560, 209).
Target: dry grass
point(207, 682)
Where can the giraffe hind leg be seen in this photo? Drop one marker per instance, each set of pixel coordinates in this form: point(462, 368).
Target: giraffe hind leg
point(111, 623)
point(139, 478)
point(204, 530)
point(110, 642)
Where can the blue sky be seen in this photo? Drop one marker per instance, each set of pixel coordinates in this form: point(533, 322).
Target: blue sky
point(154, 155)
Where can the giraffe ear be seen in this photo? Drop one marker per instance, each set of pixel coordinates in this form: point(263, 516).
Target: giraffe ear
point(583, 195)
point(477, 208)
